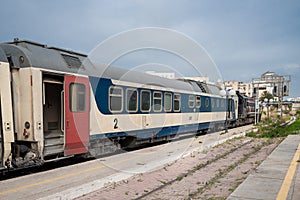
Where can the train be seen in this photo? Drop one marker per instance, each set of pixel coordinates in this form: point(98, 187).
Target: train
point(55, 103)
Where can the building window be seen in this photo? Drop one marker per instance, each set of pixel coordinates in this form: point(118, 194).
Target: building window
point(115, 99)
point(145, 100)
point(157, 101)
point(177, 102)
point(191, 101)
point(131, 96)
point(198, 101)
point(167, 102)
point(77, 97)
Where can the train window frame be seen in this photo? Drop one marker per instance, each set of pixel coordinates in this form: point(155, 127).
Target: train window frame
point(191, 101)
point(157, 99)
point(235, 104)
point(177, 98)
point(207, 102)
point(129, 98)
point(222, 103)
point(111, 95)
point(170, 102)
point(198, 101)
point(77, 99)
point(142, 103)
point(212, 103)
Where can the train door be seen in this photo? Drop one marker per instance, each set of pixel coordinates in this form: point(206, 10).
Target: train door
point(53, 115)
point(231, 109)
point(76, 93)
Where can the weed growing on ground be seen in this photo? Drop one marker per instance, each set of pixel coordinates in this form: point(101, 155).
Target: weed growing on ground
point(179, 178)
point(272, 129)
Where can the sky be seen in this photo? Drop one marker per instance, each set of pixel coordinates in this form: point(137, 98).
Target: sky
point(244, 39)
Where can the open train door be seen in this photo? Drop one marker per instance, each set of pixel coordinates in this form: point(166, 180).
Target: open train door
point(77, 104)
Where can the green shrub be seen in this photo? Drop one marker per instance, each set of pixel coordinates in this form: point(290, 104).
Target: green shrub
point(270, 129)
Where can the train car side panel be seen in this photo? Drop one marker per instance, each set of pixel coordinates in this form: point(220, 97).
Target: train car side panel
point(7, 131)
point(37, 109)
point(23, 104)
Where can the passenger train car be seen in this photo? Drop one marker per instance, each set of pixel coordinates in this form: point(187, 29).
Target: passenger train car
point(55, 103)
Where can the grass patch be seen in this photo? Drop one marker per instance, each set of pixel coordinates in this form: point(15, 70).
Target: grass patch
point(271, 129)
point(179, 178)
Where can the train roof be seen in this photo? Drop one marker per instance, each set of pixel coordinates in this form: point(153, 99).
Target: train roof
point(2, 56)
point(23, 53)
point(146, 79)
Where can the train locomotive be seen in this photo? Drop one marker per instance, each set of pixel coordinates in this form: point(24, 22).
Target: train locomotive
point(54, 103)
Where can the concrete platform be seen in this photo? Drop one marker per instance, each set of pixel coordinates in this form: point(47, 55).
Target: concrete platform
point(74, 181)
point(278, 177)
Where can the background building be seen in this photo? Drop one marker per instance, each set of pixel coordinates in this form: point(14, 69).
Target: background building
point(244, 88)
point(270, 82)
point(274, 84)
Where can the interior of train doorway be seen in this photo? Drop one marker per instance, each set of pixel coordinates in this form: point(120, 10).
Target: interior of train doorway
point(53, 114)
point(66, 115)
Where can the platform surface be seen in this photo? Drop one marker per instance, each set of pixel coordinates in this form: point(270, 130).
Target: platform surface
point(76, 180)
point(278, 177)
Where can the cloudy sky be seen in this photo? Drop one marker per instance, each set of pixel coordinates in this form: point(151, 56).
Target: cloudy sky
point(243, 38)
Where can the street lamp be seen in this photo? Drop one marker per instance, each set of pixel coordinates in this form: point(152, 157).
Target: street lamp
point(227, 94)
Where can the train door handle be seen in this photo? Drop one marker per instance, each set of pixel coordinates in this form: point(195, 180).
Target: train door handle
point(68, 124)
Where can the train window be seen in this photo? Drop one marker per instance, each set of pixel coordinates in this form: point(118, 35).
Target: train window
point(191, 101)
point(167, 102)
point(207, 102)
point(157, 101)
point(145, 100)
point(198, 101)
point(131, 97)
point(218, 103)
point(177, 102)
point(115, 99)
point(77, 97)
point(222, 103)
point(212, 103)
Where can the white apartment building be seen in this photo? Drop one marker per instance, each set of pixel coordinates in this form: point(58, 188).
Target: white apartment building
point(244, 88)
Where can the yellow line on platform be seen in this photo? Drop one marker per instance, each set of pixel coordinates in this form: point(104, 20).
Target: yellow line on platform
point(286, 184)
point(67, 175)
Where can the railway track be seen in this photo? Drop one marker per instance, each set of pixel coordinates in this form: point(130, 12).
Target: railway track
point(205, 184)
point(218, 168)
point(203, 175)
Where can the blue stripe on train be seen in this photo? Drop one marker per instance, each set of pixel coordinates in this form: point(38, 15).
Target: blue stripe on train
point(156, 132)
